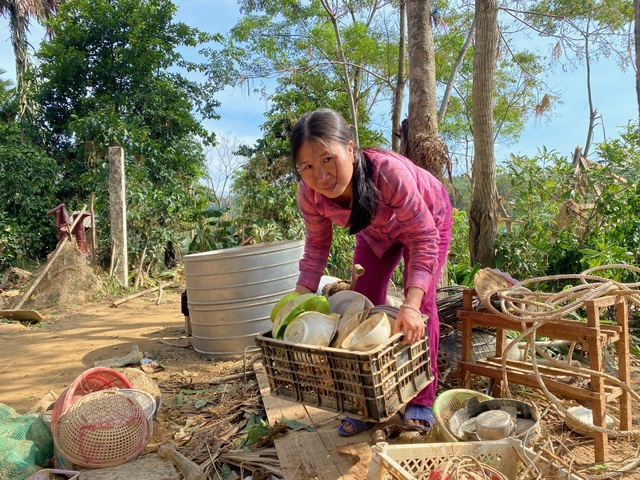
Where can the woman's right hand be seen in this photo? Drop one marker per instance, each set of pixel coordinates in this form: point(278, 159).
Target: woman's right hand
point(301, 289)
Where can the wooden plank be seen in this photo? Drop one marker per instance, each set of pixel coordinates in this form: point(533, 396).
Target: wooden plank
point(491, 369)
point(323, 454)
point(599, 404)
point(560, 329)
point(22, 315)
point(624, 366)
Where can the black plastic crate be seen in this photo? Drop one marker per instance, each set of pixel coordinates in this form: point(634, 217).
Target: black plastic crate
point(371, 385)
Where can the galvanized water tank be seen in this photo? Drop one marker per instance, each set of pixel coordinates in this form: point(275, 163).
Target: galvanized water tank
point(231, 292)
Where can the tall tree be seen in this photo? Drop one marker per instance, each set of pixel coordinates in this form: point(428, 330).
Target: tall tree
point(483, 211)
point(585, 31)
point(355, 42)
point(20, 13)
point(398, 94)
point(424, 147)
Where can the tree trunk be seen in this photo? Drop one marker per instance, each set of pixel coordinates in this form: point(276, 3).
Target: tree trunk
point(18, 27)
point(592, 111)
point(401, 81)
point(455, 69)
point(424, 147)
point(483, 211)
point(347, 81)
point(636, 16)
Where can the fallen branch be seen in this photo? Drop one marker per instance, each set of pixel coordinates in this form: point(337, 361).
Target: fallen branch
point(171, 344)
point(144, 292)
point(216, 381)
point(159, 296)
point(555, 458)
point(266, 459)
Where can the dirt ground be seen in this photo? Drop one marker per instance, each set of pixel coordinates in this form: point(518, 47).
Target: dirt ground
point(49, 355)
point(46, 357)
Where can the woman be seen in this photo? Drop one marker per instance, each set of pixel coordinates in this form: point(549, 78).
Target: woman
point(396, 210)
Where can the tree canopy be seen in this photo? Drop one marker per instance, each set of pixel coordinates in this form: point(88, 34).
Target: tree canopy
point(112, 75)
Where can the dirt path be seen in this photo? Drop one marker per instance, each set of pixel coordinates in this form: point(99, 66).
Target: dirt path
point(50, 355)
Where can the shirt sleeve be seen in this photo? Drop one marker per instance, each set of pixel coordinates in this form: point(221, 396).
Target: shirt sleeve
point(317, 244)
point(412, 200)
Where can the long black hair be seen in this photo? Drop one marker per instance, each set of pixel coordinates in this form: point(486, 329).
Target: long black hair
point(325, 126)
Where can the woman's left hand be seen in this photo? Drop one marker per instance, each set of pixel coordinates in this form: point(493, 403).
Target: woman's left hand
point(409, 318)
point(412, 323)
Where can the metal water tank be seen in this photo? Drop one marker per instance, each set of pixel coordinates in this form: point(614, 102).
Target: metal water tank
point(230, 293)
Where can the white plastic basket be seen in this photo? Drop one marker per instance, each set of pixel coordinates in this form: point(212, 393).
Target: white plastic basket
point(415, 461)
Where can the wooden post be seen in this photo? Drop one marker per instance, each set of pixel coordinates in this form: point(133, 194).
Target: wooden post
point(118, 214)
point(94, 243)
point(599, 402)
point(467, 334)
point(624, 367)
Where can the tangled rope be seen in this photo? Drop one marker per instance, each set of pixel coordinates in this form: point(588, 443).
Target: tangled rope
point(520, 303)
point(466, 467)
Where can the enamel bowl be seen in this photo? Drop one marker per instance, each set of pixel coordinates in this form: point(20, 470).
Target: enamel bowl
point(339, 301)
point(311, 328)
point(585, 416)
point(374, 331)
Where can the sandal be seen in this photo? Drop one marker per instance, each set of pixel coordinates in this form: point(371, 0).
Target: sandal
point(357, 425)
point(421, 413)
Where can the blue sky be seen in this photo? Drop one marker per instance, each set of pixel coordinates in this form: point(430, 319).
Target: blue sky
point(242, 113)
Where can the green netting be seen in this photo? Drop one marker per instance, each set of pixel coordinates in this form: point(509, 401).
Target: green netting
point(26, 444)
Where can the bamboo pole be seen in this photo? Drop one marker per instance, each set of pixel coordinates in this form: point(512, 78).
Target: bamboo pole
point(139, 294)
point(139, 272)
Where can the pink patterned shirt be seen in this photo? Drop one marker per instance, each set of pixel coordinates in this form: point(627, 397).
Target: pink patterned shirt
point(411, 211)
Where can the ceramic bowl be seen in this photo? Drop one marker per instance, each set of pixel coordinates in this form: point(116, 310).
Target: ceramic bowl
point(585, 415)
point(339, 301)
point(391, 311)
point(346, 325)
point(494, 425)
point(374, 331)
point(311, 328)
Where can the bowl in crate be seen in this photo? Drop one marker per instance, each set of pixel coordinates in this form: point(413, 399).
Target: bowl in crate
point(374, 331)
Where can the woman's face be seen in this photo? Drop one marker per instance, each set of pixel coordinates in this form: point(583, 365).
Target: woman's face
point(328, 169)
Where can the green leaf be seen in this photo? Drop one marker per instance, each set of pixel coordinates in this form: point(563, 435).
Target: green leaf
point(295, 425)
point(256, 428)
point(225, 472)
point(193, 392)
